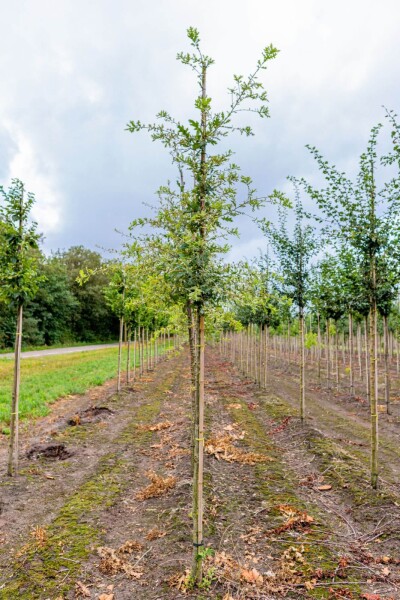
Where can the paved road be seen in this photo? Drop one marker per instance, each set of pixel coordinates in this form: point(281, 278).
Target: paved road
point(55, 351)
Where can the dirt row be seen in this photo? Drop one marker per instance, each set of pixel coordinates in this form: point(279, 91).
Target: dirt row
point(289, 512)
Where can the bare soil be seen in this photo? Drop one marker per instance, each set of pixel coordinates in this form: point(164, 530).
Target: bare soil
point(289, 510)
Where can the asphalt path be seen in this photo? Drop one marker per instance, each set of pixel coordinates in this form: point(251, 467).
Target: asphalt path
point(57, 351)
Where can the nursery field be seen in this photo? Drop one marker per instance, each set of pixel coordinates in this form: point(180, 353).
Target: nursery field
point(289, 511)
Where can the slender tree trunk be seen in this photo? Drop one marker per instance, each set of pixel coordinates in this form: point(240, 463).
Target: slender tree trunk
point(359, 353)
point(266, 374)
point(328, 352)
point(337, 355)
point(351, 349)
point(247, 358)
point(319, 348)
point(241, 352)
point(198, 505)
point(367, 364)
point(128, 357)
point(121, 337)
point(260, 356)
point(193, 371)
point(142, 351)
point(201, 433)
point(134, 353)
point(387, 373)
point(14, 418)
point(302, 367)
point(374, 397)
point(147, 351)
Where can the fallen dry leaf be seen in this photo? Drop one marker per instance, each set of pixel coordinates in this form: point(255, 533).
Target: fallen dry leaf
point(324, 488)
point(310, 585)
point(106, 597)
point(81, 590)
point(295, 519)
point(129, 547)
point(181, 581)
point(156, 427)
point(222, 447)
point(252, 576)
point(155, 534)
point(158, 486)
point(40, 535)
point(111, 563)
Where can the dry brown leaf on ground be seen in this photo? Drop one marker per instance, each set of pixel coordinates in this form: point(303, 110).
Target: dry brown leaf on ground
point(310, 585)
point(251, 536)
point(295, 519)
point(181, 581)
point(106, 597)
point(222, 448)
point(129, 547)
point(252, 576)
point(230, 427)
point(111, 563)
point(40, 535)
point(81, 590)
point(235, 405)
point(178, 451)
point(155, 534)
point(158, 486)
point(156, 427)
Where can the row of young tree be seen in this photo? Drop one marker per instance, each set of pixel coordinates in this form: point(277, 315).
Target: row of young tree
point(345, 266)
point(341, 261)
point(42, 300)
point(173, 267)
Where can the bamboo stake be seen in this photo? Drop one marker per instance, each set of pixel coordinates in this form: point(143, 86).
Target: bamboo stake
point(351, 354)
point(387, 375)
point(128, 358)
point(302, 367)
point(12, 466)
point(121, 336)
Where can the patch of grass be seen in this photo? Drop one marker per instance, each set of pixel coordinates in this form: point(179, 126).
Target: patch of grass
point(45, 379)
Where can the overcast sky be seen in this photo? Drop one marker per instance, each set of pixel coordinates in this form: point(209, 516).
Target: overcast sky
point(73, 73)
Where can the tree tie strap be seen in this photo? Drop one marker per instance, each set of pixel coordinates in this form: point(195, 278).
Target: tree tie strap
point(198, 545)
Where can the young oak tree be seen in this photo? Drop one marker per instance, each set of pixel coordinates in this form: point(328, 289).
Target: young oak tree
point(331, 299)
point(193, 217)
point(368, 220)
point(294, 251)
point(19, 273)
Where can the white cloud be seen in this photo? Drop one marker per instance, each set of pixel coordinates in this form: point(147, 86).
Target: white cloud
point(73, 74)
point(24, 165)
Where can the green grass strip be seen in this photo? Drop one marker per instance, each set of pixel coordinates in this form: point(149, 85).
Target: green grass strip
point(45, 379)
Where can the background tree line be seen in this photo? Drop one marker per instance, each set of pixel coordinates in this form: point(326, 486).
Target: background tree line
point(62, 311)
